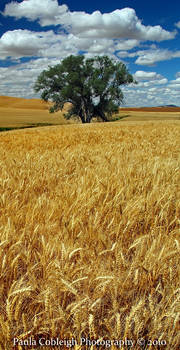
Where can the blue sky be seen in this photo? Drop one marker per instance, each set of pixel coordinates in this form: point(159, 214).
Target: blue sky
point(145, 35)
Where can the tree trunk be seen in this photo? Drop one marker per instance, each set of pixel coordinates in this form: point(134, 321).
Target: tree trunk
point(85, 114)
point(84, 111)
point(81, 116)
point(89, 117)
point(100, 113)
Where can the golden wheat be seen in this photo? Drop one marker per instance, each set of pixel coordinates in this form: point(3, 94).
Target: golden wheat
point(89, 234)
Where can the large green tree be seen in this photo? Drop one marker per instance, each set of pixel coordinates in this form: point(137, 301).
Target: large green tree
point(91, 86)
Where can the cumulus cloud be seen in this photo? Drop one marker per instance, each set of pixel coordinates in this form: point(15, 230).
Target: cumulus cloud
point(151, 95)
point(175, 84)
point(177, 24)
point(118, 24)
point(96, 46)
point(150, 57)
point(148, 84)
point(114, 34)
point(18, 80)
point(127, 44)
point(45, 11)
point(148, 79)
point(152, 90)
point(141, 75)
point(176, 81)
point(21, 43)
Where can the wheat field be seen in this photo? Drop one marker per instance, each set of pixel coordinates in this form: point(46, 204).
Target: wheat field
point(20, 112)
point(89, 236)
point(16, 112)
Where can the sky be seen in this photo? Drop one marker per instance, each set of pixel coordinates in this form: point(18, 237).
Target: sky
point(145, 35)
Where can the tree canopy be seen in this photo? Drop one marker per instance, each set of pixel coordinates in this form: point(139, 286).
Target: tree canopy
point(91, 86)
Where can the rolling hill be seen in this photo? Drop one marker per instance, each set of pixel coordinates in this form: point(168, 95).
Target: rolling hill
point(16, 112)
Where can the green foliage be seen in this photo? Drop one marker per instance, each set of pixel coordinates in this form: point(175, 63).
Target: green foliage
point(92, 86)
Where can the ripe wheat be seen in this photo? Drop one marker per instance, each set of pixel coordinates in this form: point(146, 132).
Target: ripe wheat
point(89, 233)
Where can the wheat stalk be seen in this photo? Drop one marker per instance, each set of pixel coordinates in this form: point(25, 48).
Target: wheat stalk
point(89, 231)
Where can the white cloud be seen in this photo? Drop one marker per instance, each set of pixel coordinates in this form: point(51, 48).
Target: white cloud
point(96, 46)
point(45, 10)
point(141, 75)
point(150, 57)
point(148, 79)
point(177, 24)
point(127, 44)
point(18, 80)
point(152, 90)
point(150, 96)
point(21, 42)
point(118, 24)
point(98, 33)
point(175, 84)
point(176, 81)
point(162, 81)
point(147, 84)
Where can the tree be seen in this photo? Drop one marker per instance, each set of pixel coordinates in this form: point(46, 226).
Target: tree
point(91, 86)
